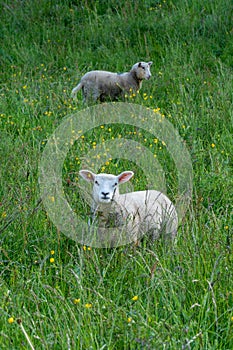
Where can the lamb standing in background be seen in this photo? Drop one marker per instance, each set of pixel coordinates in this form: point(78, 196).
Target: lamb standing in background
point(100, 84)
point(135, 212)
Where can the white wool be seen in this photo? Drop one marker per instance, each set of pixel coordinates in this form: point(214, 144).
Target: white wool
point(138, 212)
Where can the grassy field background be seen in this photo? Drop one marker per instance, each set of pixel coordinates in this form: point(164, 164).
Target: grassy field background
point(58, 294)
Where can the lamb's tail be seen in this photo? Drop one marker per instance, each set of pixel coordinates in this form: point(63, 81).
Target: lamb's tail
point(75, 90)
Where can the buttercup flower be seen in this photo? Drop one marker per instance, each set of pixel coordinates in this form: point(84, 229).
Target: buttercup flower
point(88, 306)
point(76, 301)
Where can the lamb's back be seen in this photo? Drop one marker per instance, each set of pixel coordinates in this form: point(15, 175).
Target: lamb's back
point(147, 203)
point(98, 75)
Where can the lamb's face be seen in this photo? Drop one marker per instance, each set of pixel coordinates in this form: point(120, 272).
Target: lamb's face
point(105, 186)
point(142, 70)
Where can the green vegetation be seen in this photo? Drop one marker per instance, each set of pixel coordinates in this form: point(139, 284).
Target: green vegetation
point(58, 294)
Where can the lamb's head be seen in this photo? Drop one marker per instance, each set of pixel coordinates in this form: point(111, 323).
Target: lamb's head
point(142, 70)
point(105, 186)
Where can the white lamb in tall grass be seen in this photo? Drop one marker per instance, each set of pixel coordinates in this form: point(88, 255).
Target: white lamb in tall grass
point(99, 84)
point(136, 213)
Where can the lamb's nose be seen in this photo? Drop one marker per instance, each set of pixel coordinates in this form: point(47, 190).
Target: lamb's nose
point(105, 194)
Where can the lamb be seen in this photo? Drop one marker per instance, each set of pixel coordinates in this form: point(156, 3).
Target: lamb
point(135, 213)
point(99, 85)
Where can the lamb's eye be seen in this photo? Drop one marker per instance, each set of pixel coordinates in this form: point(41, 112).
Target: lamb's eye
point(115, 184)
point(143, 68)
point(96, 182)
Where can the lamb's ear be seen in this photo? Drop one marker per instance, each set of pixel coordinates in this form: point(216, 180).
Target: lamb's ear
point(87, 175)
point(150, 63)
point(125, 176)
point(139, 64)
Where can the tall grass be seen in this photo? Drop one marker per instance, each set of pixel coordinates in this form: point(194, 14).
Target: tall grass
point(57, 294)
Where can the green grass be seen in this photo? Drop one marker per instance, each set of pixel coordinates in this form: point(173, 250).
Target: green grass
point(185, 292)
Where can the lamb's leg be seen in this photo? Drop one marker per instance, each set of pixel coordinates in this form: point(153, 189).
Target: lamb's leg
point(95, 94)
point(90, 96)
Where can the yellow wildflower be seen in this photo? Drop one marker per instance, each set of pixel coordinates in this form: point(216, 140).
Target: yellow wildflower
point(76, 301)
point(88, 306)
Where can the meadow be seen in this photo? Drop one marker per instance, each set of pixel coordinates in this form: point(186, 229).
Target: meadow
point(56, 293)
